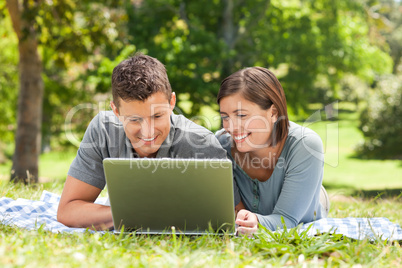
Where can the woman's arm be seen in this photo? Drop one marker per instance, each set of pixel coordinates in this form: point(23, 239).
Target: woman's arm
point(301, 187)
point(239, 207)
point(300, 192)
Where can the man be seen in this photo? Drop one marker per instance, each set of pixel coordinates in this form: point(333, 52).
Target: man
point(142, 124)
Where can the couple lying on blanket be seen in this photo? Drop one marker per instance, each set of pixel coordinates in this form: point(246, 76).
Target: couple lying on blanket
point(277, 164)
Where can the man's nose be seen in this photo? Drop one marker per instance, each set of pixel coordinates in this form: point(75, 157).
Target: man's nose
point(147, 128)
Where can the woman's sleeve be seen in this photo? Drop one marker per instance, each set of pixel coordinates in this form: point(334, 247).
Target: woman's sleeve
point(236, 193)
point(303, 178)
point(225, 142)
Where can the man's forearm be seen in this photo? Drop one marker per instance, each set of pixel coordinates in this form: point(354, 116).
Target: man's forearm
point(84, 214)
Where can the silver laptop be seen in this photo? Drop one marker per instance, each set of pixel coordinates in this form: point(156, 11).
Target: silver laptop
point(162, 195)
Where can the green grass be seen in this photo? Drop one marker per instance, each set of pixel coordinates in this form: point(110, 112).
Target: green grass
point(343, 172)
point(52, 166)
point(21, 248)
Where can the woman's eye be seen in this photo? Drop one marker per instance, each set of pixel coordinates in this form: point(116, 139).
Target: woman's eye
point(241, 115)
point(225, 118)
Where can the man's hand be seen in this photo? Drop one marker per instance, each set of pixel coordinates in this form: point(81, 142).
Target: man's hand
point(247, 221)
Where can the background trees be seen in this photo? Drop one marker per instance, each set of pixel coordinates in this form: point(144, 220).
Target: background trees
point(381, 120)
point(321, 51)
point(306, 41)
point(53, 35)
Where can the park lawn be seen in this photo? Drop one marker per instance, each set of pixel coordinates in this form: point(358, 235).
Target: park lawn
point(343, 172)
point(39, 248)
point(52, 166)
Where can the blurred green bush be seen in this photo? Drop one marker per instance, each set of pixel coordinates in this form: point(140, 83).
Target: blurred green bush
point(381, 120)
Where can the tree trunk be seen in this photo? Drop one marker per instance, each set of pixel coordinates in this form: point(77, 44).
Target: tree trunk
point(229, 32)
point(28, 135)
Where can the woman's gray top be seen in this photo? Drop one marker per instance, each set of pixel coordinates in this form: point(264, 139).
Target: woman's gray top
point(293, 190)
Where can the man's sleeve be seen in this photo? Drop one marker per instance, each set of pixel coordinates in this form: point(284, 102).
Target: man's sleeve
point(87, 165)
point(209, 147)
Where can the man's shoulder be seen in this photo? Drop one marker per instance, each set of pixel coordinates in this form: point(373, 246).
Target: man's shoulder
point(192, 140)
point(105, 128)
point(184, 125)
point(105, 119)
point(224, 139)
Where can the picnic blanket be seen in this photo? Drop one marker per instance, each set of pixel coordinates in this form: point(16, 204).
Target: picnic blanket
point(31, 214)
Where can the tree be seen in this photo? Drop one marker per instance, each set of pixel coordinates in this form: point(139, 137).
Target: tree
point(64, 32)
point(29, 118)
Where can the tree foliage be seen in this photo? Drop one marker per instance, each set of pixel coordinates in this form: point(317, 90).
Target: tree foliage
point(8, 78)
point(302, 41)
point(385, 22)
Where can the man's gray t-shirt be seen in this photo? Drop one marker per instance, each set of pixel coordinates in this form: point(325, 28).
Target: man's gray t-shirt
point(293, 190)
point(105, 137)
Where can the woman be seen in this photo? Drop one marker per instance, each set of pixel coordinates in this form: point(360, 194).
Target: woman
point(277, 164)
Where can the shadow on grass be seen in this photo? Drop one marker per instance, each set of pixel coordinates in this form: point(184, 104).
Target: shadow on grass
point(363, 155)
point(348, 190)
point(383, 194)
point(332, 187)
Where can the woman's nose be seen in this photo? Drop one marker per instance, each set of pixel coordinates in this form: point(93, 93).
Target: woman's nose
point(232, 125)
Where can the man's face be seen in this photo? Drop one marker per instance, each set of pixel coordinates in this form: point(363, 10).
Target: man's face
point(146, 123)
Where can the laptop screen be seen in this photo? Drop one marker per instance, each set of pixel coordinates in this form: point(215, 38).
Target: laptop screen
point(150, 195)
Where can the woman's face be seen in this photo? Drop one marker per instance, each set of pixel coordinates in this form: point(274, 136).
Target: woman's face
point(248, 124)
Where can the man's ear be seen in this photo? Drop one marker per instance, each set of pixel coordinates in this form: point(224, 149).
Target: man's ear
point(274, 113)
point(114, 108)
point(173, 101)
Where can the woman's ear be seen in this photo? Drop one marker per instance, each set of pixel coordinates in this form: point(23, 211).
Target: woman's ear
point(274, 113)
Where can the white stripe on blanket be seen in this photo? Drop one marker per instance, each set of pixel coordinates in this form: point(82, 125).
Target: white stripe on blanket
point(30, 214)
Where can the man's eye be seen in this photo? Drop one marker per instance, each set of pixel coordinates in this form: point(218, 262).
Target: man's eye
point(134, 120)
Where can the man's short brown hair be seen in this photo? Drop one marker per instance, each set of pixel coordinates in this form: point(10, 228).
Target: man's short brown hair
point(138, 77)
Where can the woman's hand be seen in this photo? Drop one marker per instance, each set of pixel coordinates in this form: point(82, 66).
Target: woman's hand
point(239, 207)
point(247, 221)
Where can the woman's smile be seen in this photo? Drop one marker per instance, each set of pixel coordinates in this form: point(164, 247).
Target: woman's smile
point(241, 137)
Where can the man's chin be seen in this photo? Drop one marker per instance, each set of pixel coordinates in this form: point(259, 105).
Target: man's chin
point(149, 152)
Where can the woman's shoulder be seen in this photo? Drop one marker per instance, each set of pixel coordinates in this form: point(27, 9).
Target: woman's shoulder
point(303, 136)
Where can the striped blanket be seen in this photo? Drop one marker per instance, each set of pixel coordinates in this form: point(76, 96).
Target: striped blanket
point(31, 214)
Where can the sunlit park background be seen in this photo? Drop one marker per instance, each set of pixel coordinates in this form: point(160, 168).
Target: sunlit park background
point(339, 63)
